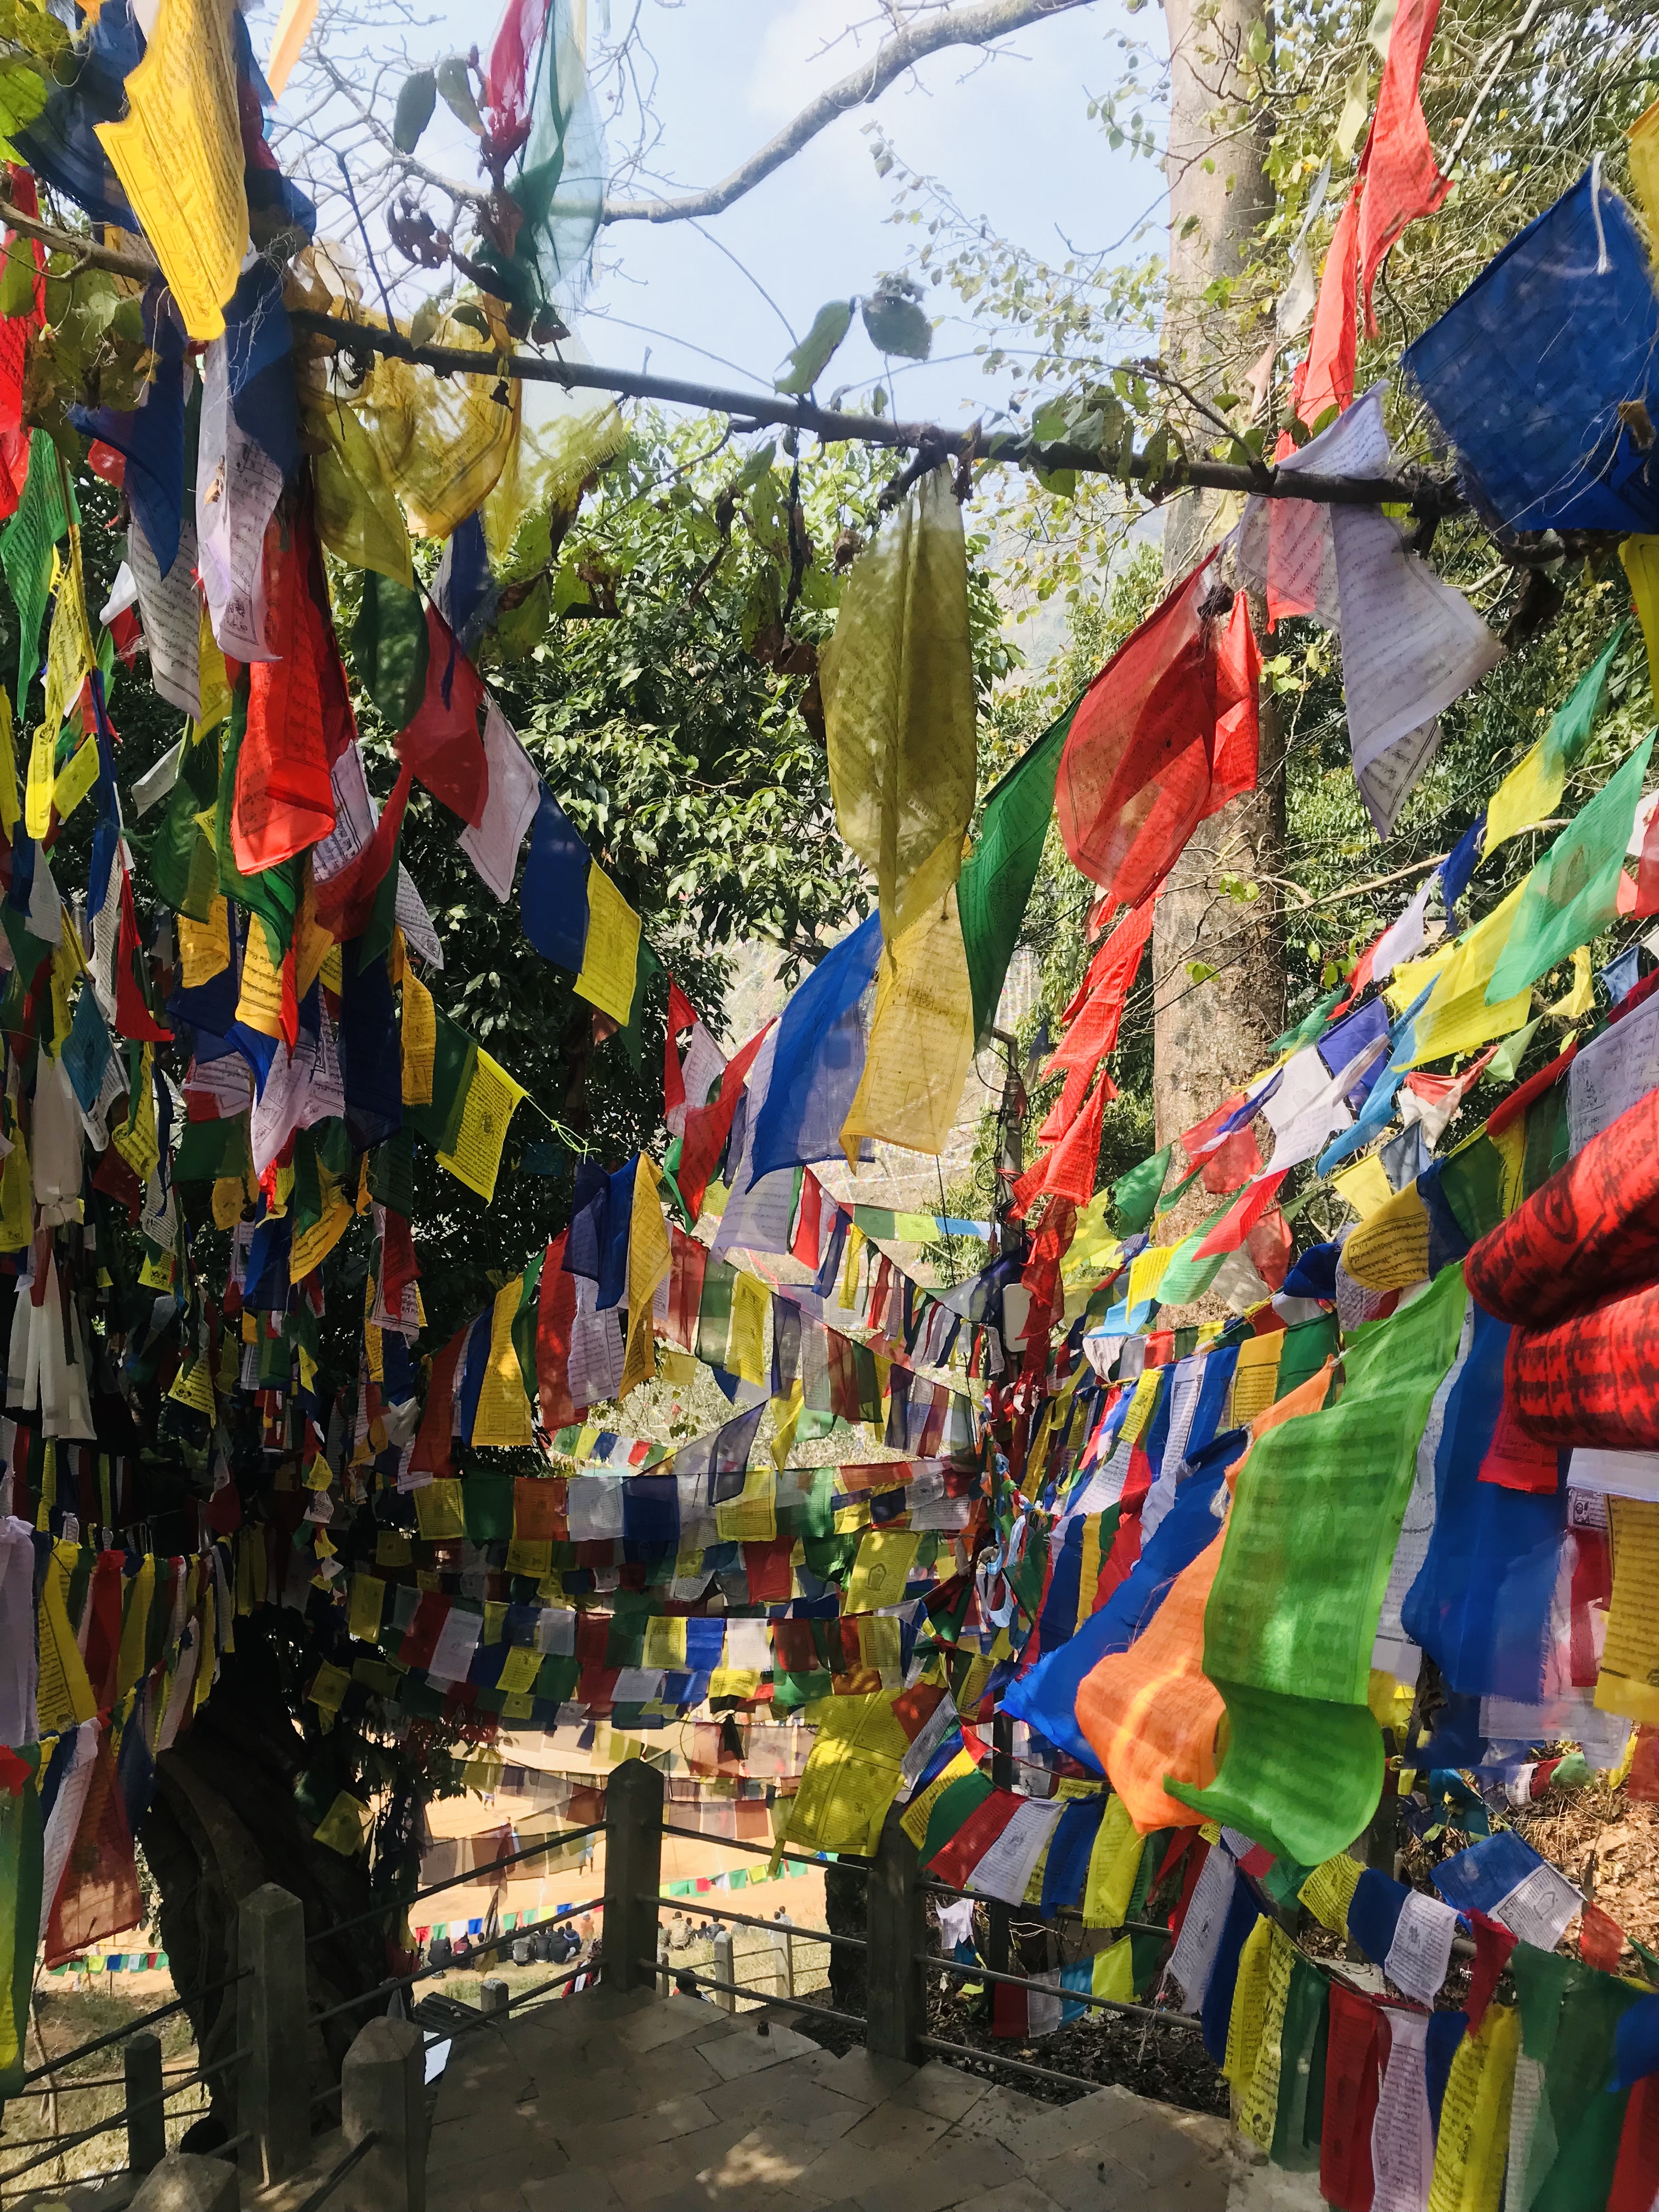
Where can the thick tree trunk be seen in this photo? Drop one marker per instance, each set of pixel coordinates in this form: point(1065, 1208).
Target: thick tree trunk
point(223, 1821)
point(1207, 1037)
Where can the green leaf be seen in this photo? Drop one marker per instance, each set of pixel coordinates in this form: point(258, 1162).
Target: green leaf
point(456, 87)
point(897, 325)
point(816, 351)
point(757, 465)
point(417, 98)
point(22, 95)
point(17, 284)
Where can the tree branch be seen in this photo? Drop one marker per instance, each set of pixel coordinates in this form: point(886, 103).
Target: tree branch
point(972, 26)
point(752, 410)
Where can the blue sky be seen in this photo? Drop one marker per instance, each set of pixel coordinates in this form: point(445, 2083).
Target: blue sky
point(1008, 137)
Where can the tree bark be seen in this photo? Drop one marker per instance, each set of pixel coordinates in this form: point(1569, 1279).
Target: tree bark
point(1209, 1036)
point(222, 1821)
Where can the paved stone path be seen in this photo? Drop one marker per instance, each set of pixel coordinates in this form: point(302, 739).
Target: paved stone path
point(609, 2100)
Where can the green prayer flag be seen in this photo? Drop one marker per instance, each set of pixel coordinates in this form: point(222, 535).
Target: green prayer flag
point(1299, 2123)
point(715, 1312)
point(1569, 2016)
point(1574, 889)
point(955, 1806)
point(524, 1323)
point(1501, 1067)
point(1171, 1199)
point(20, 1832)
point(1312, 1024)
point(389, 648)
point(631, 1036)
point(26, 546)
point(996, 878)
point(209, 1150)
point(487, 1504)
point(1292, 1618)
point(454, 1061)
point(1187, 1276)
point(1569, 730)
point(1135, 1194)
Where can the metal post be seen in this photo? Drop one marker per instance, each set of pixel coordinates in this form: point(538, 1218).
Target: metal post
point(663, 1982)
point(786, 1965)
point(633, 1873)
point(897, 1921)
point(147, 2119)
point(725, 1969)
point(272, 2087)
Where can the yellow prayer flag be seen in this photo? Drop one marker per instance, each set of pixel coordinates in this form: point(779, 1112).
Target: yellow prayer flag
point(64, 1696)
point(881, 1570)
point(649, 1258)
point(1113, 1863)
point(204, 946)
point(897, 679)
point(135, 1627)
point(1256, 1376)
point(491, 1097)
point(1389, 1251)
point(9, 806)
point(1457, 1017)
point(69, 658)
point(1249, 2016)
point(1365, 1185)
point(75, 778)
point(179, 155)
point(1643, 144)
point(1473, 2140)
point(260, 1005)
point(1629, 1680)
point(921, 1038)
point(438, 1515)
point(344, 1827)
point(746, 1348)
point(1641, 558)
point(611, 952)
point(665, 1641)
point(752, 1517)
point(519, 1671)
point(1529, 794)
point(368, 1599)
point(212, 681)
point(914, 1818)
point(1146, 1270)
point(419, 1039)
point(503, 1414)
point(1580, 996)
point(1329, 1892)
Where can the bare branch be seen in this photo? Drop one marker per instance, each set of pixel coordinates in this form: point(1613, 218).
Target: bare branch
point(972, 26)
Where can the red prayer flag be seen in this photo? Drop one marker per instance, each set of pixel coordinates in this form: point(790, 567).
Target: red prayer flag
point(556, 1310)
point(1492, 1946)
point(13, 342)
point(1601, 1939)
point(505, 106)
point(706, 1127)
point(435, 1441)
point(133, 1018)
point(1071, 1166)
point(682, 1016)
point(1093, 1031)
point(955, 1859)
point(442, 744)
point(1353, 2062)
point(1636, 2174)
point(345, 903)
point(1236, 1224)
point(1325, 378)
point(1402, 178)
point(1136, 775)
point(285, 795)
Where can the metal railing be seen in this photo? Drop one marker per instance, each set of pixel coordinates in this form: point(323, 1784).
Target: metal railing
point(278, 2112)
